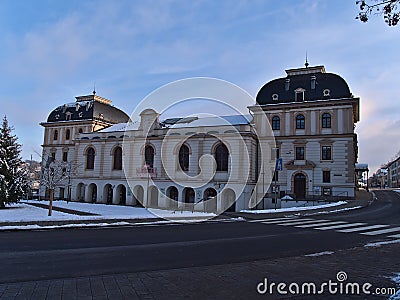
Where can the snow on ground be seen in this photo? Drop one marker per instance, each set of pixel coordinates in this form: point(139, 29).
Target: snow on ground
point(25, 213)
point(292, 209)
point(36, 226)
point(396, 279)
point(333, 211)
point(398, 191)
point(378, 244)
point(319, 254)
point(103, 210)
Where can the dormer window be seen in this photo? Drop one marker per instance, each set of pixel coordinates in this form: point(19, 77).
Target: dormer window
point(327, 92)
point(313, 82)
point(299, 95)
point(275, 97)
point(68, 116)
point(287, 84)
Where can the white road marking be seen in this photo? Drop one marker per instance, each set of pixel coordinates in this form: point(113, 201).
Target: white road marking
point(276, 219)
point(382, 231)
point(363, 228)
point(300, 222)
point(281, 222)
point(397, 236)
point(340, 226)
point(321, 224)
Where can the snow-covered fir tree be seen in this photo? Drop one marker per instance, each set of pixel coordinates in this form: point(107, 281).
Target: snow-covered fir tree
point(13, 179)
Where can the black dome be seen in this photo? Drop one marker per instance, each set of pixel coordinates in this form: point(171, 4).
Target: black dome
point(282, 90)
point(88, 110)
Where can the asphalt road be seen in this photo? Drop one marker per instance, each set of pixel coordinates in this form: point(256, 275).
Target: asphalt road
point(51, 254)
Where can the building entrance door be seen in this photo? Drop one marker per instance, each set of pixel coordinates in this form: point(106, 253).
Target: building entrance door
point(300, 186)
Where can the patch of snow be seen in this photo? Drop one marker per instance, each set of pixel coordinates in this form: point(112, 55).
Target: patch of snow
point(320, 254)
point(333, 211)
point(293, 209)
point(216, 121)
point(378, 244)
point(36, 226)
point(168, 214)
point(26, 213)
point(397, 191)
point(120, 127)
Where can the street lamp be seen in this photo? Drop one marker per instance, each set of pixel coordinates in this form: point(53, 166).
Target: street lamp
point(147, 167)
point(278, 167)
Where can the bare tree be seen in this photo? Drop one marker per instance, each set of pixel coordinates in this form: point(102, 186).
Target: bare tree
point(56, 173)
point(388, 8)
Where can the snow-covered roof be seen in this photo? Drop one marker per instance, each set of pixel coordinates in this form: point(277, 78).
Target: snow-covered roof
point(213, 121)
point(188, 122)
point(121, 127)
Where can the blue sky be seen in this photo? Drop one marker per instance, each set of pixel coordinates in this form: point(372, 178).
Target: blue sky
point(53, 51)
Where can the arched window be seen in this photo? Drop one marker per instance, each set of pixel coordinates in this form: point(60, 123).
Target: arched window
point(80, 130)
point(276, 123)
point(221, 157)
point(55, 137)
point(184, 158)
point(149, 156)
point(326, 120)
point(90, 158)
point(173, 193)
point(67, 134)
point(300, 122)
point(117, 158)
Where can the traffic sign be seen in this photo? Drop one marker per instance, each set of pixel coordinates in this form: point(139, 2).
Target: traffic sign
point(278, 164)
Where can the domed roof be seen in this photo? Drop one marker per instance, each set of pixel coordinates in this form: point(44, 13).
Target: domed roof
point(88, 108)
point(314, 82)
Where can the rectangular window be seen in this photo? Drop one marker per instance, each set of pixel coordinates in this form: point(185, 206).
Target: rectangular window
point(300, 122)
point(53, 157)
point(326, 176)
point(65, 156)
point(299, 96)
point(326, 153)
point(299, 153)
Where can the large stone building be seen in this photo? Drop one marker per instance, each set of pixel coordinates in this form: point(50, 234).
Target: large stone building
point(313, 116)
point(168, 163)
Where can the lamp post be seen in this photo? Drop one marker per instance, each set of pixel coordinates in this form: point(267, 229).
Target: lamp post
point(278, 167)
point(146, 166)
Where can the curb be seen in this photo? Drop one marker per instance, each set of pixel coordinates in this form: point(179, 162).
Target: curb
point(351, 204)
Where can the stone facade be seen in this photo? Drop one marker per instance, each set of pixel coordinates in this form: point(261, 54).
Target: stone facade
point(203, 164)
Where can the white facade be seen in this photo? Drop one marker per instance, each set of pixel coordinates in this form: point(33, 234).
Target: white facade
point(189, 169)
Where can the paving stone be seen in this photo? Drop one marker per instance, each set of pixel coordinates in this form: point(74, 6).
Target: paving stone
point(97, 287)
point(235, 281)
point(26, 291)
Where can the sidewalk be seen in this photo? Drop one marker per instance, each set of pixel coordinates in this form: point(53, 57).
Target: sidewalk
point(233, 281)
